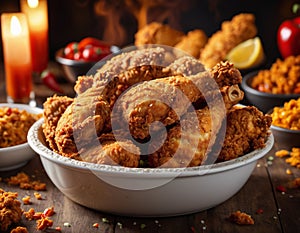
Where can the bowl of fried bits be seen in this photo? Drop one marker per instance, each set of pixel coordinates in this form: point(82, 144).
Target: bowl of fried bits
point(286, 125)
point(273, 87)
point(15, 121)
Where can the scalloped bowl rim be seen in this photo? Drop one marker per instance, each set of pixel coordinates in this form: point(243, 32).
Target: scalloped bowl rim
point(34, 141)
point(245, 85)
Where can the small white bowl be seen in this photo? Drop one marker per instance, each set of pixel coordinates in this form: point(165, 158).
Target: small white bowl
point(145, 191)
point(17, 156)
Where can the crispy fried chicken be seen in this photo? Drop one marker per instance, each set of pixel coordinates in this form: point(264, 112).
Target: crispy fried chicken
point(54, 107)
point(240, 28)
point(167, 99)
point(111, 120)
point(193, 42)
point(189, 141)
point(247, 130)
point(158, 33)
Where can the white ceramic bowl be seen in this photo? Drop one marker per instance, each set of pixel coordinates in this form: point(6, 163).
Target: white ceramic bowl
point(145, 192)
point(17, 156)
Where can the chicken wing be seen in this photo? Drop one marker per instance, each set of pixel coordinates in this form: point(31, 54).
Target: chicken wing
point(247, 130)
point(239, 29)
point(158, 33)
point(189, 142)
point(54, 107)
point(193, 42)
point(167, 99)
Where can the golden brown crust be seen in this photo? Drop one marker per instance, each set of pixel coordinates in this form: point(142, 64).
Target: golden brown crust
point(246, 130)
point(240, 28)
point(193, 42)
point(54, 107)
point(158, 33)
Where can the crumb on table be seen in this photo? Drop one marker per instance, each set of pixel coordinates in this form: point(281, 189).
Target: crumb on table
point(241, 218)
point(10, 209)
point(24, 182)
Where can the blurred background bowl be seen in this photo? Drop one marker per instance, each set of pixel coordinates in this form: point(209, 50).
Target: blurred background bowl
point(17, 156)
point(74, 68)
point(145, 191)
point(262, 100)
point(285, 139)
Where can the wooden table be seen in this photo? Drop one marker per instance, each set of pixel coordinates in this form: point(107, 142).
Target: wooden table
point(273, 211)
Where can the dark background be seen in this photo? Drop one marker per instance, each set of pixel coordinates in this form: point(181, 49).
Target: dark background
point(72, 20)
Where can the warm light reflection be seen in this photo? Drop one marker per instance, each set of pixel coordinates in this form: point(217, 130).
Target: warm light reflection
point(33, 3)
point(15, 26)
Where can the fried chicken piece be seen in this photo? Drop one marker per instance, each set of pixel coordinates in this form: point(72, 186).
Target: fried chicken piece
point(132, 67)
point(54, 107)
point(189, 142)
point(84, 120)
point(225, 74)
point(193, 42)
point(186, 66)
point(247, 129)
point(240, 28)
point(106, 150)
point(166, 99)
point(158, 33)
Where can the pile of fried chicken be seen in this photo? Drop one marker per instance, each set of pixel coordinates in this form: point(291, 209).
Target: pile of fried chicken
point(209, 50)
point(153, 108)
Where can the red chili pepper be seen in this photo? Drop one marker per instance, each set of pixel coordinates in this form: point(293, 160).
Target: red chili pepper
point(280, 188)
point(8, 112)
point(259, 211)
point(49, 80)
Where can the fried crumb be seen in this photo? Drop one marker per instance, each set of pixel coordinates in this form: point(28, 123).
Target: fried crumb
point(19, 230)
point(10, 209)
point(293, 157)
point(282, 153)
point(30, 214)
point(24, 182)
point(43, 223)
point(26, 200)
point(294, 183)
point(38, 196)
point(241, 218)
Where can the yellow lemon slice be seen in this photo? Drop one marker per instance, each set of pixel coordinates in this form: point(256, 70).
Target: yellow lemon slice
point(247, 54)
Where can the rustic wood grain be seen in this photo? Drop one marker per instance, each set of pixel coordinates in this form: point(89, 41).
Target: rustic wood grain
point(259, 193)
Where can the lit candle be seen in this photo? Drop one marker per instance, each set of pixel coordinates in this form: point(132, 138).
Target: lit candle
point(37, 14)
point(17, 57)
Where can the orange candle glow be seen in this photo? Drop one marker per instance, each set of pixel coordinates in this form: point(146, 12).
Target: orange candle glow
point(17, 57)
point(37, 14)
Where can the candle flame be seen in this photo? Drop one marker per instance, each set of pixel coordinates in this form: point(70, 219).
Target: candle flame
point(33, 3)
point(15, 26)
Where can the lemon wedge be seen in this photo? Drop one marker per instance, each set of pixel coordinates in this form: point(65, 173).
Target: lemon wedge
point(248, 54)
